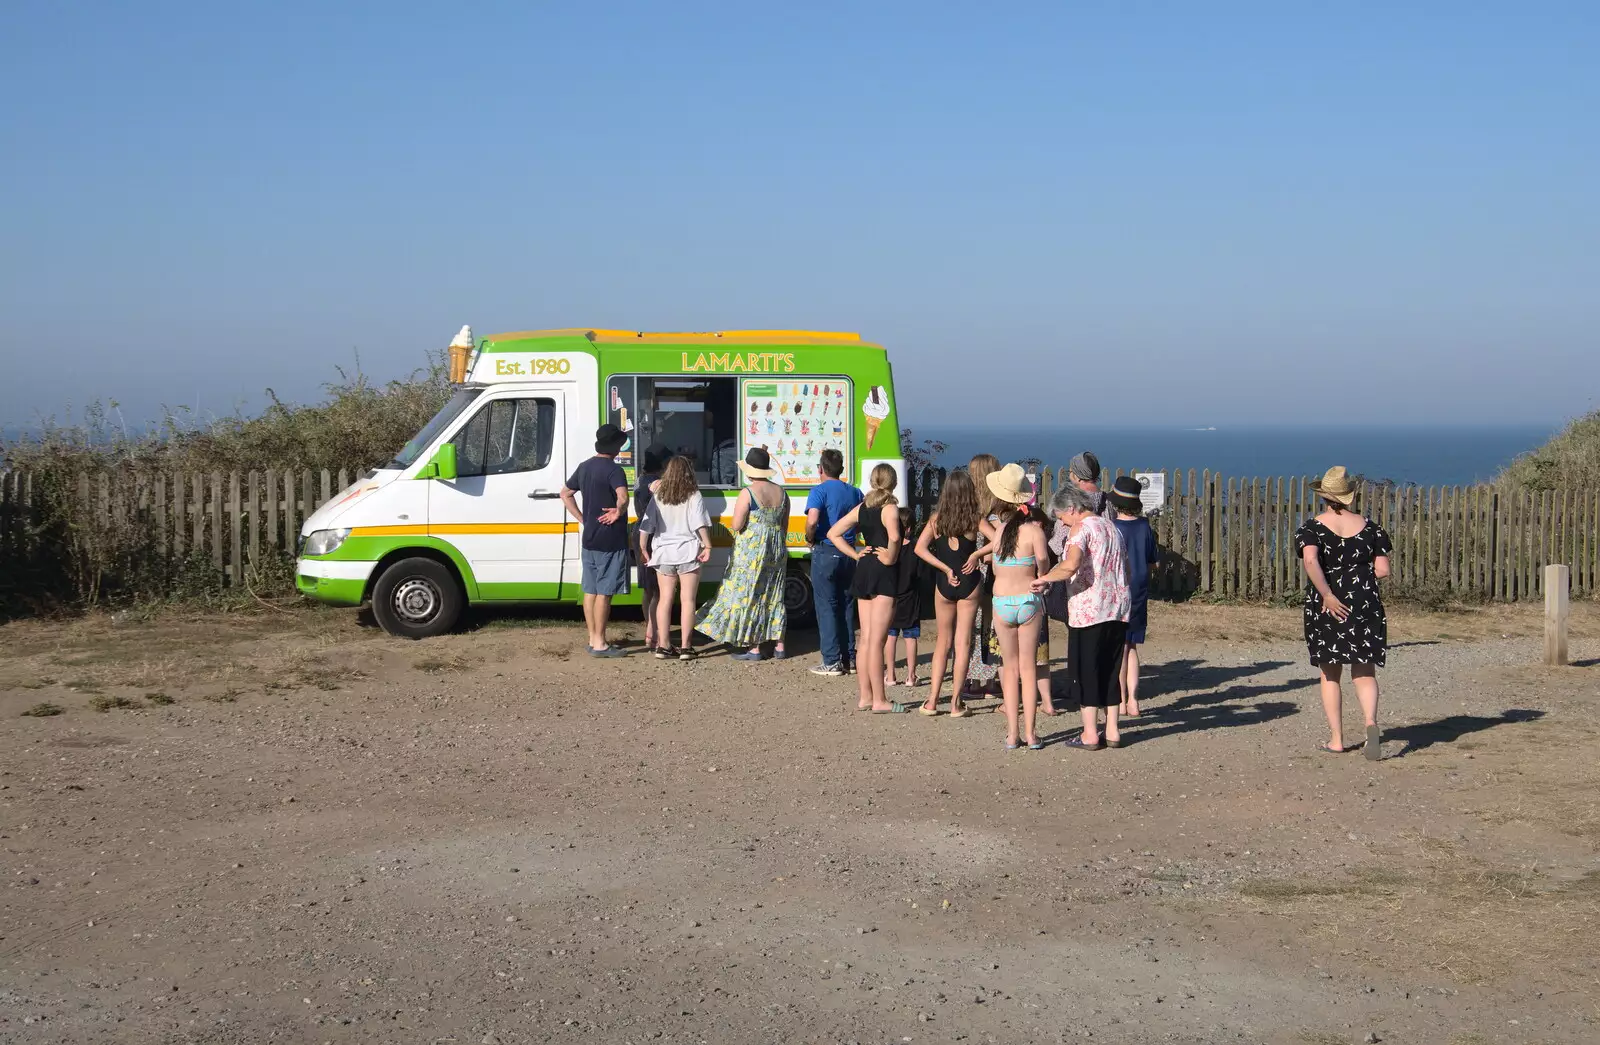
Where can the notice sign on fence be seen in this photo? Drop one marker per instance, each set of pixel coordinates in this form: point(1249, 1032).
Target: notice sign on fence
point(1152, 490)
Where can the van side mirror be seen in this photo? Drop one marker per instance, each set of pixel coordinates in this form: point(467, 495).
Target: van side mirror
point(442, 465)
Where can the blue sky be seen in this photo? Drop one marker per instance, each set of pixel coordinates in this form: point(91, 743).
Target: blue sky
point(1173, 212)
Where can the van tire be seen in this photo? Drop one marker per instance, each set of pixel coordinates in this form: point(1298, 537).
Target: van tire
point(417, 598)
point(799, 603)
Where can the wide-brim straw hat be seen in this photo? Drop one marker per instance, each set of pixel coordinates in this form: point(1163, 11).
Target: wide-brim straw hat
point(1335, 485)
point(1010, 484)
point(757, 464)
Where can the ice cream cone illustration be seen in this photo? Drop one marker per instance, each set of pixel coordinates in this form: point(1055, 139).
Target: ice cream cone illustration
point(876, 408)
point(460, 355)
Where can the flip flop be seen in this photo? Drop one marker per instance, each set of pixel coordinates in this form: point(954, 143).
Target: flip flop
point(1077, 742)
point(1036, 746)
point(893, 709)
point(609, 651)
point(1012, 747)
point(1373, 748)
point(925, 710)
point(1114, 743)
point(962, 713)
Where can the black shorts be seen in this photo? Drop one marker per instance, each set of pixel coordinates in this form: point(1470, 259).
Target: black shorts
point(1094, 662)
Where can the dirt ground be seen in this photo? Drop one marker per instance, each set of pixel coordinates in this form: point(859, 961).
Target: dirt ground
point(286, 826)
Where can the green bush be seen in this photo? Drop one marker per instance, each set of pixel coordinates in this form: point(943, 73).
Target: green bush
point(1570, 461)
point(71, 551)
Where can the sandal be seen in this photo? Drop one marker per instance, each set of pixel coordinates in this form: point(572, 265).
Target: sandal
point(959, 712)
point(1373, 748)
point(896, 708)
point(1077, 742)
point(926, 710)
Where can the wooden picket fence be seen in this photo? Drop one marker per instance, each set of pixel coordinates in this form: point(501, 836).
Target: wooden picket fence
point(236, 520)
point(1222, 536)
point(1233, 538)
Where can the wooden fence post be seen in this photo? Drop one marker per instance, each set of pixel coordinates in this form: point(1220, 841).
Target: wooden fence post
point(255, 519)
point(1556, 610)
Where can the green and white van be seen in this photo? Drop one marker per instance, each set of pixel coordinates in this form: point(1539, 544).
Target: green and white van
point(469, 511)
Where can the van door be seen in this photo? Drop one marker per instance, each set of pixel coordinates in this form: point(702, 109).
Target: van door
point(503, 510)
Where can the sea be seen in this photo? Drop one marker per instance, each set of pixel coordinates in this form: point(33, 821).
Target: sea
point(1432, 455)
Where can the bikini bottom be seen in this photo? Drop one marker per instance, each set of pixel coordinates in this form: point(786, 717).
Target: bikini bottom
point(1017, 610)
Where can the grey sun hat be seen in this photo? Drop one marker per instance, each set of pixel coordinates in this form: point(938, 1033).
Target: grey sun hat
point(1085, 466)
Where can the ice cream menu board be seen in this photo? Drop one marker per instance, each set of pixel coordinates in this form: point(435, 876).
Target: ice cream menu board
point(795, 421)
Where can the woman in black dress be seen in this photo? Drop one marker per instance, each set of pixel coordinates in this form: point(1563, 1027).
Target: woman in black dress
point(1345, 554)
point(878, 520)
point(949, 544)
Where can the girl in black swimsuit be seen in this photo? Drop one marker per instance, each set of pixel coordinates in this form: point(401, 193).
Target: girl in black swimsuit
point(948, 544)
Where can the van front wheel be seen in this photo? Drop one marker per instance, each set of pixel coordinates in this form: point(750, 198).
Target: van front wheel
point(798, 604)
point(416, 599)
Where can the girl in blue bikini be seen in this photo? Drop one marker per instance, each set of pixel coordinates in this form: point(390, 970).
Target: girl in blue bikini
point(1017, 544)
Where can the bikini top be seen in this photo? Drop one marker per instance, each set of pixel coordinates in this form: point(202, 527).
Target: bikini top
point(1016, 560)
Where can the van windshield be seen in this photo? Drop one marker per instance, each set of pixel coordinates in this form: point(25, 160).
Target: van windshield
point(422, 440)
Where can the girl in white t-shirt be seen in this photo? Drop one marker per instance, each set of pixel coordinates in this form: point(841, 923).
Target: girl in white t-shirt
point(676, 535)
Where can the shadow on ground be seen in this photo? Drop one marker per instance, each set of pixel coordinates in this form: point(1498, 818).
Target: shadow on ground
point(1423, 735)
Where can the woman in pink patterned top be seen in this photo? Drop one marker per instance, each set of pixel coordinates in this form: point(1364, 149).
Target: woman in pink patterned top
point(1096, 571)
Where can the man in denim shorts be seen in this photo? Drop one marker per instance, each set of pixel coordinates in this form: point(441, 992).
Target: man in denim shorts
point(603, 488)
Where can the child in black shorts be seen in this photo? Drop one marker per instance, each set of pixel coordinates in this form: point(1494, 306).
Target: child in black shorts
point(906, 625)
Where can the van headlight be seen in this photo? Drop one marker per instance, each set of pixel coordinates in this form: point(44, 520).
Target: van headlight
point(324, 542)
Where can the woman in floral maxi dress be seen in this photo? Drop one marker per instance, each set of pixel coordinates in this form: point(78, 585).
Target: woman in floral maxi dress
point(749, 610)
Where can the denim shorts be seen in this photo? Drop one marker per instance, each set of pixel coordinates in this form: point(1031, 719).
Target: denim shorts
point(669, 570)
point(605, 573)
point(913, 632)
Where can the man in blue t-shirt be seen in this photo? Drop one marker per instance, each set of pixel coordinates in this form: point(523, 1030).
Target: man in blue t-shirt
point(604, 517)
point(831, 571)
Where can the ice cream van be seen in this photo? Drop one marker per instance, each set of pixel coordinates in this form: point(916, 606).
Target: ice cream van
point(469, 512)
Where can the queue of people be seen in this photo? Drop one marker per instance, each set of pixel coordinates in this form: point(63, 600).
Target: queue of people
point(1003, 567)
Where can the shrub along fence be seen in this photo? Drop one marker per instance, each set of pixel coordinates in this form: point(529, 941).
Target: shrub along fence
point(84, 538)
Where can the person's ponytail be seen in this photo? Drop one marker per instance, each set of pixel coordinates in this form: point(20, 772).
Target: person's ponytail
point(1008, 533)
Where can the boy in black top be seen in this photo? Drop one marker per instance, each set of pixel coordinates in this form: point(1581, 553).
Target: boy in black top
point(604, 518)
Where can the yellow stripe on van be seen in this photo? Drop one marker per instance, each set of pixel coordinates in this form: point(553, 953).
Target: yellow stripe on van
point(797, 524)
point(495, 528)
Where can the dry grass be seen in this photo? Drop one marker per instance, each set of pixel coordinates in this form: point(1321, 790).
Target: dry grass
point(1454, 913)
point(104, 704)
point(43, 709)
point(439, 664)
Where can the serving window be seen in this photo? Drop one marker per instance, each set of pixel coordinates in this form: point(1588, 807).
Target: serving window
point(715, 420)
point(693, 417)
